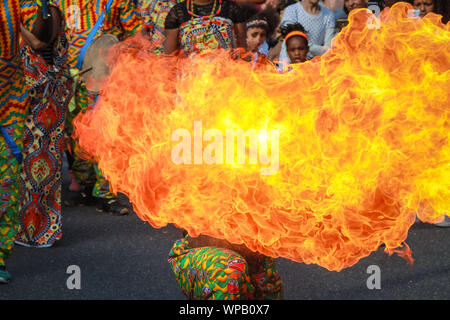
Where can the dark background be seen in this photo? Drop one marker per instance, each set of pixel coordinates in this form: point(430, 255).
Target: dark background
point(443, 7)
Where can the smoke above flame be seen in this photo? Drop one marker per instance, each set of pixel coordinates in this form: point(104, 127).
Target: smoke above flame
point(363, 141)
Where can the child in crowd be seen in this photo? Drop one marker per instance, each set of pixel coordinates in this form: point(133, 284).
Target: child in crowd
point(296, 41)
point(259, 28)
point(319, 21)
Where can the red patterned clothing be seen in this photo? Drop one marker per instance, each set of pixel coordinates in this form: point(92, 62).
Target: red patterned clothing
point(9, 28)
point(199, 34)
point(40, 218)
point(13, 108)
point(153, 14)
point(210, 273)
point(13, 92)
point(122, 20)
point(9, 190)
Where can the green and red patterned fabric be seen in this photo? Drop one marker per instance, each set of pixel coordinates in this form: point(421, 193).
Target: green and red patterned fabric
point(13, 90)
point(210, 273)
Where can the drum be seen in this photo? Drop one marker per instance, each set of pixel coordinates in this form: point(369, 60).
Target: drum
point(95, 69)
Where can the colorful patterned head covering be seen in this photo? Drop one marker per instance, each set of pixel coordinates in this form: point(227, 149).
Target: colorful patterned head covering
point(257, 23)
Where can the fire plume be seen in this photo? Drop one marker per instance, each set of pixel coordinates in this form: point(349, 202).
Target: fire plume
point(363, 141)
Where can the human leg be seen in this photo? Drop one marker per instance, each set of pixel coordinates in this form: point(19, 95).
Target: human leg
point(9, 195)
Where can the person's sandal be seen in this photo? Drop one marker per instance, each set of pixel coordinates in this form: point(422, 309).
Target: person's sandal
point(81, 198)
point(5, 277)
point(114, 207)
point(445, 223)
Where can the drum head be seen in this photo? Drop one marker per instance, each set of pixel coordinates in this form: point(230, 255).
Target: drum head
point(94, 69)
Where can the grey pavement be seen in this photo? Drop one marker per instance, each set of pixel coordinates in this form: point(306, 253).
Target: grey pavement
point(123, 257)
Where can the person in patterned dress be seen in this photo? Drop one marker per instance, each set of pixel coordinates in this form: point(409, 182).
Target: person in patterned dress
point(211, 269)
point(196, 26)
point(153, 14)
point(121, 20)
point(47, 73)
point(205, 267)
point(13, 110)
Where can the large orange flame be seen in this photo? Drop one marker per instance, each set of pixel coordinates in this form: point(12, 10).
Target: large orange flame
point(363, 141)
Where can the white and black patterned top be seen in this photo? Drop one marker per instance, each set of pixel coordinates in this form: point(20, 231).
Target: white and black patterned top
point(316, 26)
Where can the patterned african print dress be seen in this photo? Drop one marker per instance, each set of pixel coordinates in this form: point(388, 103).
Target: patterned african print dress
point(122, 20)
point(13, 110)
point(211, 273)
point(153, 14)
point(40, 218)
point(199, 34)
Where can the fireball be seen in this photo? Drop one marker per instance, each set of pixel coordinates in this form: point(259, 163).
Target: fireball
point(362, 141)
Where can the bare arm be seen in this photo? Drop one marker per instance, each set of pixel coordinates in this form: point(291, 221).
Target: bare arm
point(239, 31)
point(171, 42)
point(36, 39)
point(31, 39)
point(274, 53)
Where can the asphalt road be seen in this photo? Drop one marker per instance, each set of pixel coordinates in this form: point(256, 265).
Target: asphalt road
point(125, 258)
